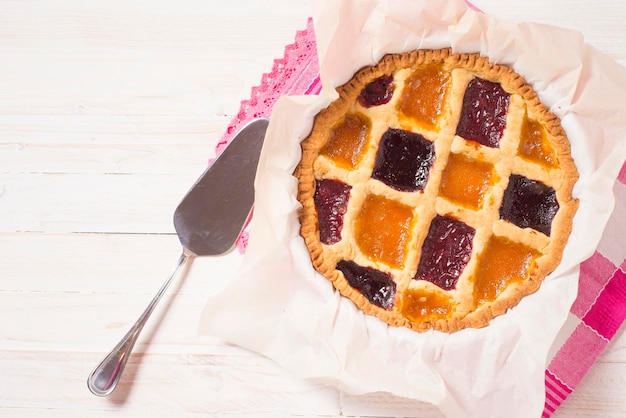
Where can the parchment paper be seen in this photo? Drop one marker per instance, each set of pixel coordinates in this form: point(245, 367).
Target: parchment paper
point(279, 306)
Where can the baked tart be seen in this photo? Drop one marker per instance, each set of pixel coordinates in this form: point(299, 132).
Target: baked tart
point(436, 190)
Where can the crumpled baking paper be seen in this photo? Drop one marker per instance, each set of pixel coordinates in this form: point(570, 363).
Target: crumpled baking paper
point(277, 305)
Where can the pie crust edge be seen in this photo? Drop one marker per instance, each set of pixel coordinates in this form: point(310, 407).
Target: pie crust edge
point(513, 83)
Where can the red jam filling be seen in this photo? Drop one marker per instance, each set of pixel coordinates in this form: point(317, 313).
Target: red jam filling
point(445, 252)
point(529, 204)
point(331, 201)
point(403, 160)
point(483, 115)
point(378, 92)
point(378, 287)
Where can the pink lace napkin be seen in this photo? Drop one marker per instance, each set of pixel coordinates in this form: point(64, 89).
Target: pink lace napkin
point(600, 307)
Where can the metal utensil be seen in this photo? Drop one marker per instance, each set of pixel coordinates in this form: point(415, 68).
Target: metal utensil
point(208, 221)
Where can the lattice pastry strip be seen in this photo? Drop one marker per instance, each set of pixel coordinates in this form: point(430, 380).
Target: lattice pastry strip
point(436, 191)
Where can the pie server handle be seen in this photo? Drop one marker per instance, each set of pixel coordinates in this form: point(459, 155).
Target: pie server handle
point(208, 221)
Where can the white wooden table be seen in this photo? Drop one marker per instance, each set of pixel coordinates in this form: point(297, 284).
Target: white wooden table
point(108, 113)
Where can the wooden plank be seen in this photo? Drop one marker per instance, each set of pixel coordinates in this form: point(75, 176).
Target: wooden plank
point(386, 405)
point(90, 130)
point(104, 263)
point(171, 384)
point(91, 202)
point(62, 320)
point(601, 23)
point(602, 393)
point(107, 159)
point(110, 59)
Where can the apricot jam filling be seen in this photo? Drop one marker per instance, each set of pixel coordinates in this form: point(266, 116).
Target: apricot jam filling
point(446, 251)
point(381, 230)
point(331, 201)
point(483, 115)
point(422, 305)
point(347, 140)
point(403, 160)
point(424, 94)
point(465, 180)
point(501, 263)
point(534, 144)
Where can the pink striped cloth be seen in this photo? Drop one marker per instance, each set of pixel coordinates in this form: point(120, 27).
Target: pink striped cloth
point(600, 308)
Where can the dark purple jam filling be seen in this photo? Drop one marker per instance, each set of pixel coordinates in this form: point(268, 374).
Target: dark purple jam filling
point(529, 204)
point(403, 161)
point(331, 201)
point(445, 252)
point(378, 92)
point(483, 116)
point(378, 287)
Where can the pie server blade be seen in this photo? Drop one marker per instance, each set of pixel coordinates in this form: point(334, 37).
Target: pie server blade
point(211, 216)
point(208, 221)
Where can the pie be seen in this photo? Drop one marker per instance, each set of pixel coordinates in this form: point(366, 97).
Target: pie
point(436, 190)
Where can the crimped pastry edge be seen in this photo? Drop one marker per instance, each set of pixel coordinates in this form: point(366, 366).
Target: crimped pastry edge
point(513, 83)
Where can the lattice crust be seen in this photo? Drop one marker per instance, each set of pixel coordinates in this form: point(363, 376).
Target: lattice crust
point(436, 190)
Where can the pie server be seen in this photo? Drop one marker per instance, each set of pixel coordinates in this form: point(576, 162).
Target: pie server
point(208, 221)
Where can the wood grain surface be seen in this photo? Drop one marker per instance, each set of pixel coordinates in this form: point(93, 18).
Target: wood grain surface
point(108, 113)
